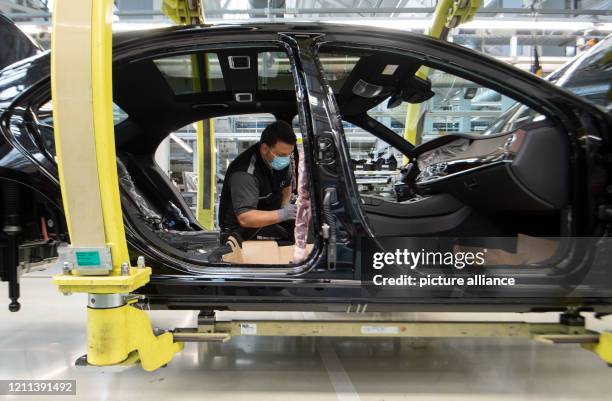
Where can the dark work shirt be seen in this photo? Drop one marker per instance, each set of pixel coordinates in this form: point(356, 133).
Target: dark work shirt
point(250, 184)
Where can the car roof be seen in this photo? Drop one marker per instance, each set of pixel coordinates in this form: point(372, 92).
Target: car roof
point(263, 27)
point(156, 107)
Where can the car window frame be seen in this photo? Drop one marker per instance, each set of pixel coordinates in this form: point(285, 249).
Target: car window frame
point(237, 270)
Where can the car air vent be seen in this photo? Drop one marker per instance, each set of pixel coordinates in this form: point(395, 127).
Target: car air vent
point(239, 62)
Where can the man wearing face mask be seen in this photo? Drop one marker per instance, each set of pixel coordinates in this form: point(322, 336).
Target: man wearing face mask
point(256, 195)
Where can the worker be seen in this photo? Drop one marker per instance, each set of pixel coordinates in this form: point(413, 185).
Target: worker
point(256, 197)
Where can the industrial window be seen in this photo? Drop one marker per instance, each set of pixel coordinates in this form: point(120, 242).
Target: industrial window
point(446, 126)
point(192, 73)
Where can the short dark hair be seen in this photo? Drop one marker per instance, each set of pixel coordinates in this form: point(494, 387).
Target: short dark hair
point(278, 131)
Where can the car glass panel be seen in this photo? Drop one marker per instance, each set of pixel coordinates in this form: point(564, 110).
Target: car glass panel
point(192, 73)
point(337, 68)
point(274, 71)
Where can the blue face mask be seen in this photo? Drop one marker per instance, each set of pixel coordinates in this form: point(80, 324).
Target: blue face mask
point(280, 162)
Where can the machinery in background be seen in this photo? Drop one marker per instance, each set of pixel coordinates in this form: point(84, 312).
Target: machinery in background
point(376, 175)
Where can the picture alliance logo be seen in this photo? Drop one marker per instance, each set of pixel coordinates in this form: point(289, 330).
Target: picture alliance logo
point(412, 260)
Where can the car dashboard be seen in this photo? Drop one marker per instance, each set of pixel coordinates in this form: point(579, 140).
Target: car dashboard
point(522, 170)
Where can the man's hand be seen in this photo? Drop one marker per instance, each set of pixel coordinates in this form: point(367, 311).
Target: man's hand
point(262, 218)
point(287, 212)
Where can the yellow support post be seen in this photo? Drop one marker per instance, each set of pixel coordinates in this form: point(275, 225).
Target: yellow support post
point(97, 261)
point(447, 15)
point(205, 204)
point(119, 334)
point(82, 104)
point(183, 12)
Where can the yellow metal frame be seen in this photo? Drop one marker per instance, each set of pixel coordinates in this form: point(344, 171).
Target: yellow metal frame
point(81, 85)
point(181, 13)
point(82, 102)
point(123, 334)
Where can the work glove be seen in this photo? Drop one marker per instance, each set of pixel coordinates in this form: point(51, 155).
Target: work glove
point(287, 212)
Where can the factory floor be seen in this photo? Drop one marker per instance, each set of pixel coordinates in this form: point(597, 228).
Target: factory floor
point(48, 335)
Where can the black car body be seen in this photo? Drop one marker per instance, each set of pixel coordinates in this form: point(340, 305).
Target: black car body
point(547, 178)
point(16, 45)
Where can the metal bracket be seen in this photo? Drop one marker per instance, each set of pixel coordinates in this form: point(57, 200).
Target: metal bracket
point(183, 12)
point(85, 261)
point(136, 278)
point(462, 11)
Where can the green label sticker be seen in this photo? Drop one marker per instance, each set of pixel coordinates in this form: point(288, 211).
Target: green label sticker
point(88, 258)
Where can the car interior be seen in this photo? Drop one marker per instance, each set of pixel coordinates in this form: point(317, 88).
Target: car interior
point(512, 183)
point(505, 189)
point(161, 95)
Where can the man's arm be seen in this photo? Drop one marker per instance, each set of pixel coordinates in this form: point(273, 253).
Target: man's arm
point(258, 218)
point(245, 193)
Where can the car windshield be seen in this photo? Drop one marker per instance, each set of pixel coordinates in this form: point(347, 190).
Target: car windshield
point(589, 76)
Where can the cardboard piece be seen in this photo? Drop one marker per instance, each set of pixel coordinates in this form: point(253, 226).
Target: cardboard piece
point(261, 252)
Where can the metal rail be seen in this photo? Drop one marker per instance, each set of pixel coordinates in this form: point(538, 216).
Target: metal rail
point(569, 330)
point(224, 330)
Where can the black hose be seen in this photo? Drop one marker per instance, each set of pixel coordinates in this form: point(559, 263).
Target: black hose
point(11, 206)
point(12, 227)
